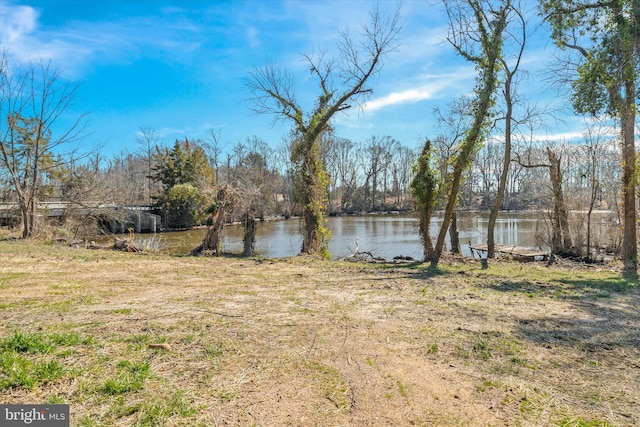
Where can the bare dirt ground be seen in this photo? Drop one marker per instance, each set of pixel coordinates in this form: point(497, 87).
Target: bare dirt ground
point(304, 342)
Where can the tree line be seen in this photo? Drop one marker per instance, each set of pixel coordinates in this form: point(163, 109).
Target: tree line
point(481, 157)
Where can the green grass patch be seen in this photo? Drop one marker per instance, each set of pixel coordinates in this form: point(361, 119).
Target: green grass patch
point(25, 358)
point(213, 351)
point(156, 412)
point(26, 343)
point(432, 348)
point(402, 389)
point(19, 371)
point(188, 339)
point(129, 377)
point(89, 421)
point(43, 343)
point(71, 339)
point(138, 341)
point(481, 349)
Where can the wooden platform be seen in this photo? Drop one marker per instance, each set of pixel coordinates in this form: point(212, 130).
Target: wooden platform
point(517, 252)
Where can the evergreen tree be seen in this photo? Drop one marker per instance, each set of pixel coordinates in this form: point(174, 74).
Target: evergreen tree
point(187, 179)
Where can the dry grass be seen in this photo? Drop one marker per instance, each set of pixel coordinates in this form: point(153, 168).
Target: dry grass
point(305, 342)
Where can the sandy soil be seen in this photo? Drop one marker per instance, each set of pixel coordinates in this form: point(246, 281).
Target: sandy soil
point(310, 343)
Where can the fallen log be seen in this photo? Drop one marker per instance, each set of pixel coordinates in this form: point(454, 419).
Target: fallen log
point(125, 245)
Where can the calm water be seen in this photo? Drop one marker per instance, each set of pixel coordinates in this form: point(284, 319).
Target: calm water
point(382, 235)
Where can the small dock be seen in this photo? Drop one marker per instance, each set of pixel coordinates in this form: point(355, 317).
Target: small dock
point(516, 252)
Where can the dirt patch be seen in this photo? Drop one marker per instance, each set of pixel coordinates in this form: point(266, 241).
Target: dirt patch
point(303, 342)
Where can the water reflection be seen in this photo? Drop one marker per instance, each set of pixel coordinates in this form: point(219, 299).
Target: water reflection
point(382, 235)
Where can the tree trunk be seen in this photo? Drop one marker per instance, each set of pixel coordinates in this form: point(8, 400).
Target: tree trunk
point(425, 233)
point(211, 240)
point(425, 187)
point(314, 180)
point(592, 202)
point(225, 200)
point(249, 239)
point(28, 213)
point(556, 186)
point(502, 185)
point(26, 221)
point(595, 188)
point(495, 209)
point(311, 209)
point(32, 217)
point(374, 187)
point(629, 180)
point(561, 238)
point(454, 235)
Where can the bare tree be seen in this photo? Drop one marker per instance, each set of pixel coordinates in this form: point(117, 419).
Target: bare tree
point(595, 152)
point(378, 156)
point(341, 81)
point(284, 194)
point(343, 168)
point(148, 142)
point(32, 99)
point(561, 242)
point(401, 173)
point(509, 123)
point(126, 174)
point(478, 39)
point(253, 184)
point(87, 191)
point(214, 151)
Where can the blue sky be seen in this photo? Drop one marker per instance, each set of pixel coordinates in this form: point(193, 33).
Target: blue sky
point(179, 67)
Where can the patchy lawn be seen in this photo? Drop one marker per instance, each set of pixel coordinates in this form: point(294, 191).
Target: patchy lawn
point(149, 339)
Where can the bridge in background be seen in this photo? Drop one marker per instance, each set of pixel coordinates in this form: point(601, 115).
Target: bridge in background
point(118, 218)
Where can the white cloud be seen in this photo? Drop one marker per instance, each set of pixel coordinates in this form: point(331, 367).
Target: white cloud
point(402, 97)
point(559, 136)
point(15, 22)
point(76, 44)
point(25, 40)
point(436, 84)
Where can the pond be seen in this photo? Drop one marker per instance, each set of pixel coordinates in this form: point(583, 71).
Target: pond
point(385, 235)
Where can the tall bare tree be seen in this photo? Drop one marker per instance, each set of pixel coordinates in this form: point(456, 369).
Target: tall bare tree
point(33, 98)
point(593, 150)
point(148, 141)
point(342, 81)
point(476, 33)
point(519, 39)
